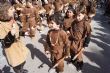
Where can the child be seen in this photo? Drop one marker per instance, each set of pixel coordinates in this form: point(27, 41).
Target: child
point(58, 43)
point(14, 49)
point(80, 30)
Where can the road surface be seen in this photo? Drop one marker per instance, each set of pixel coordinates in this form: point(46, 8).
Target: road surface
point(96, 56)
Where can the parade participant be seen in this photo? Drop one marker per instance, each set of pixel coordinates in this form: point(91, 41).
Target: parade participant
point(80, 36)
point(58, 5)
point(23, 2)
point(48, 7)
point(49, 10)
point(58, 12)
point(69, 18)
point(90, 8)
point(28, 18)
point(39, 15)
point(107, 7)
point(15, 51)
point(58, 43)
point(74, 3)
point(88, 5)
point(18, 7)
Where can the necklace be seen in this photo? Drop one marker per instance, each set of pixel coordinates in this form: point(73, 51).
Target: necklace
point(53, 44)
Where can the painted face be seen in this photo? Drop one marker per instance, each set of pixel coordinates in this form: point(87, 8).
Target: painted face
point(80, 16)
point(70, 13)
point(11, 11)
point(53, 25)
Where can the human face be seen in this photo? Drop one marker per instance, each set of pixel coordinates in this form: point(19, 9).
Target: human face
point(29, 4)
point(11, 11)
point(80, 16)
point(70, 13)
point(53, 25)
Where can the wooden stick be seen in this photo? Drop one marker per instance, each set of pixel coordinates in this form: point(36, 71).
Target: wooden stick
point(78, 54)
point(57, 63)
point(64, 58)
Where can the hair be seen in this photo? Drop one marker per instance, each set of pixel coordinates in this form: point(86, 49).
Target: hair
point(57, 19)
point(81, 9)
point(3, 11)
point(70, 7)
point(51, 18)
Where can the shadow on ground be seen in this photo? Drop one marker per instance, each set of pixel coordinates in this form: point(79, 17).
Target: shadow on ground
point(5, 69)
point(37, 53)
point(102, 39)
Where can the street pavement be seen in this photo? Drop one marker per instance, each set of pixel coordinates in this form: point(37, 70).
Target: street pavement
point(96, 56)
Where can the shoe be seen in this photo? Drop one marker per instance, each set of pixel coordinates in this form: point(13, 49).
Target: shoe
point(22, 33)
point(74, 62)
point(60, 72)
point(79, 71)
point(79, 66)
point(25, 71)
point(32, 35)
point(26, 33)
